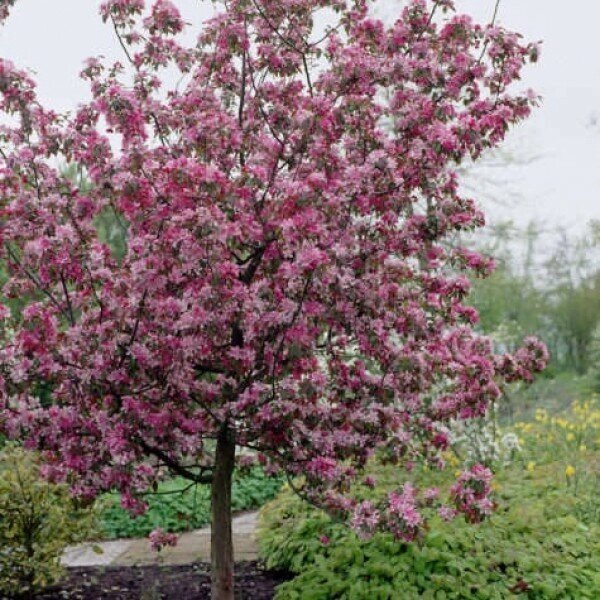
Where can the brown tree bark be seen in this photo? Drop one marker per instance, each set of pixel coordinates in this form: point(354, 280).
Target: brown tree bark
point(221, 538)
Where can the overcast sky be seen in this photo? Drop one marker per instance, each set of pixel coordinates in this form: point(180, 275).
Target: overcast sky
point(560, 187)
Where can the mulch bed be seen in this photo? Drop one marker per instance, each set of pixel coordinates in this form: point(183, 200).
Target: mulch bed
point(180, 582)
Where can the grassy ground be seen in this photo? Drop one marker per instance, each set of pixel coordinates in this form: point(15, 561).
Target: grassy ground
point(556, 394)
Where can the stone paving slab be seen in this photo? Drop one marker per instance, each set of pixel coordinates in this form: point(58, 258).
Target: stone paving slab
point(191, 547)
point(194, 546)
point(87, 555)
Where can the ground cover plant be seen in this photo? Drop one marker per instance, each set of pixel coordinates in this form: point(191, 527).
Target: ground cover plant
point(543, 540)
point(291, 281)
point(176, 506)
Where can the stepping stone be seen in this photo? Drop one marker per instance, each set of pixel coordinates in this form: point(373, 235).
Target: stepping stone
point(85, 555)
point(194, 546)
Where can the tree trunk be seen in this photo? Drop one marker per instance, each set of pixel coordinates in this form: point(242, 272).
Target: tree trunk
point(221, 543)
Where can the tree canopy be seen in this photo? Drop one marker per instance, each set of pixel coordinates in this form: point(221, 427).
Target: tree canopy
point(290, 282)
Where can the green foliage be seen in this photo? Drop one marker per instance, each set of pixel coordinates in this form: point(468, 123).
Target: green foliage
point(37, 521)
point(576, 314)
point(509, 306)
point(110, 224)
point(555, 394)
point(112, 230)
point(290, 533)
point(543, 542)
point(177, 506)
point(530, 543)
point(455, 562)
point(566, 446)
point(594, 360)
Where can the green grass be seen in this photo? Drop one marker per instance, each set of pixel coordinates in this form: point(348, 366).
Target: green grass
point(556, 393)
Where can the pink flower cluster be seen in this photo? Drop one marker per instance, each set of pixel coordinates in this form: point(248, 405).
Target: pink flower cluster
point(471, 493)
point(403, 512)
point(5, 6)
point(165, 18)
point(531, 358)
point(365, 519)
point(403, 519)
point(160, 539)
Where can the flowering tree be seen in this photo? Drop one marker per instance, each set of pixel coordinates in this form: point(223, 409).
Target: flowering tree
point(291, 283)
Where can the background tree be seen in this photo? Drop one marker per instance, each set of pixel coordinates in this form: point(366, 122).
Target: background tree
point(285, 284)
point(548, 284)
point(574, 289)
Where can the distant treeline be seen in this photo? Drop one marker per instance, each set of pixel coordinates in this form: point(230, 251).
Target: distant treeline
point(548, 286)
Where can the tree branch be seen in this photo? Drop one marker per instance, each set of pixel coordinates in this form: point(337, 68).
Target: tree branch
point(176, 467)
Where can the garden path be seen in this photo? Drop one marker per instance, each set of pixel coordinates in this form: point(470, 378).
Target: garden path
point(193, 546)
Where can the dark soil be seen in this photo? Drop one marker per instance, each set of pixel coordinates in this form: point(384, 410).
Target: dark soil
point(180, 582)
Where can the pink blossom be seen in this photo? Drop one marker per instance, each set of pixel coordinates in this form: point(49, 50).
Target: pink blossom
point(447, 513)
point(369, 481)
point(471, 493)
point(403, 517)
point(431, 494)
point(160, 539)
point(165, 18)
point(366, 518)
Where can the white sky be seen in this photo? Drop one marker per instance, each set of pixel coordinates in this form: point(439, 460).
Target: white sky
point(53, 37)
point(562, 187)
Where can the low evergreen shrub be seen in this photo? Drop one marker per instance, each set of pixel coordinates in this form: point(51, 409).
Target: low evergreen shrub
point(38, 520)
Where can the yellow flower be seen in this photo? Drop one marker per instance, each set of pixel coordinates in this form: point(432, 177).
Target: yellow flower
point(530, 466)
point(582, 448)
point(570, 437)
point(570, 471)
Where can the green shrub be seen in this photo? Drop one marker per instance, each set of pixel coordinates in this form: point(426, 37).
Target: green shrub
point(37, 521)
point(290, 533)
point(533, 545)
point(177, 507)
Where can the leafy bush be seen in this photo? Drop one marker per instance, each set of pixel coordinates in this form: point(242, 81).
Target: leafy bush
point(176, 506)
point(37, 521)
point(528, 546)
point(457, 564)
point(542, 542)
